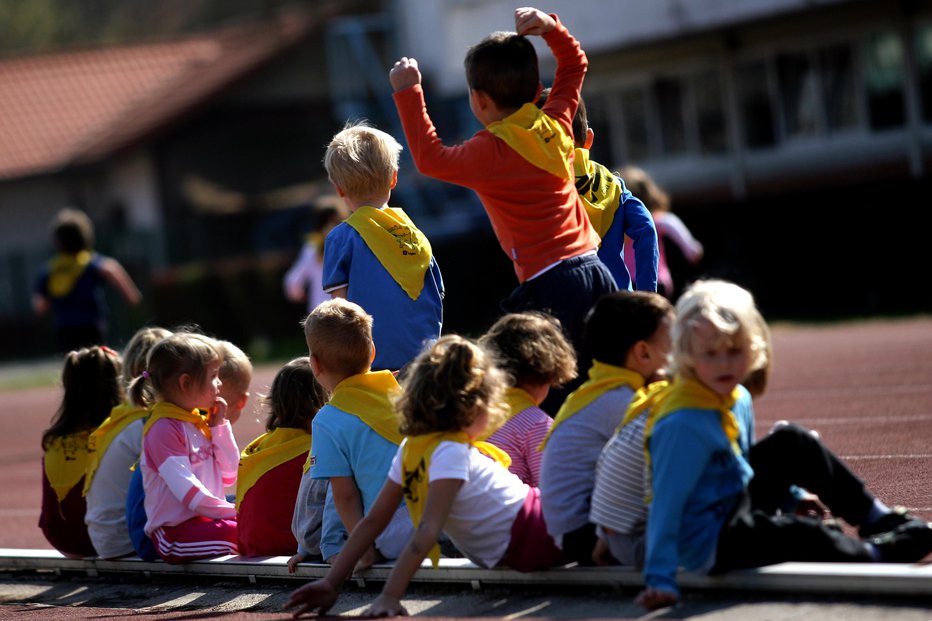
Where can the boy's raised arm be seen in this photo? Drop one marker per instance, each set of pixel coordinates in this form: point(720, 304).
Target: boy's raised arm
point(531, 21)
point(404, 74)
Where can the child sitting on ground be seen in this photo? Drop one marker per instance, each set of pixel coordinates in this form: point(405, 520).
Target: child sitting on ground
point(235, 377)
point(91, 381)
point(114, 452)
point(704, 515)
point(520, 165)
point(628, 336)
point(378, 258)
point(531, 349)
point(270, 467)
point(356, 432)
point(188, 451)
point(451, 393)
point(613, 210)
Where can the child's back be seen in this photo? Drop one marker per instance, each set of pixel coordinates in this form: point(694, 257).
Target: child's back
point(91, 379)
point(378, 258)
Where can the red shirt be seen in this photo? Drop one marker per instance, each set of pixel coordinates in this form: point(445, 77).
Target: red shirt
point(537, 216)
point(63, 524)
point(264, 518)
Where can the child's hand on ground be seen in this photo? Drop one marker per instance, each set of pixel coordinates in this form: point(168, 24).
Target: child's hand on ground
point(530, 21)
point(385, 606)
point(217, 414)
point(318, 596)
point(404, 74)
point(652, 599)
point(293, 562)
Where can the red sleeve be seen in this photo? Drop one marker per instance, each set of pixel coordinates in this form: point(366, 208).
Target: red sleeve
point(568, 78)
point(462, 164)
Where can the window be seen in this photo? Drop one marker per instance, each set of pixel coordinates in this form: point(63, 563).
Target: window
point(798, 95)
point(710, 115)
point(839, 87)
point(923, 43)
point(884, 77)
point(754, 102)
point(668, 94)
point(634, 106)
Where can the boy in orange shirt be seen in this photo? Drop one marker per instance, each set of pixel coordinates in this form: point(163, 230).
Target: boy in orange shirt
point(520, 165)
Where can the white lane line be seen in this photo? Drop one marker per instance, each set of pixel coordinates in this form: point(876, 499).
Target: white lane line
point(880, 457)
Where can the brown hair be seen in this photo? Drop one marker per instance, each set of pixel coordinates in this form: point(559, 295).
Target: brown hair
point(294, 397)
point(181, 353)
point(136, 351)
point(643, 186)
point(361, 160)
point(531, 348)
point(91, 379)
point(448, 386)
point(72, 231)
point(339, 334)
point(620, 319)
point(504, 66)
point(580, 119)
point(235, 368)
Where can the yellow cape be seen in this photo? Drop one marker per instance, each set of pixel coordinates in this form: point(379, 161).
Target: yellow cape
point(538, 138)
point(99, 441)
point(398, 245)
point(65, 270)
point(598, 189)
point(415, 468)
point(368, 396)
point(266, 452)
point(517, 400)
point(164, 409)
point(602, 378)
point(65, 462)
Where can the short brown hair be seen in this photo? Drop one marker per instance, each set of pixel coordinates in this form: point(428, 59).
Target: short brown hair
point(235, 368)
point(619, 320)
point(645, 188)
point(531, 348)
point(339, 334)
point(504, 66)
point(136, 351)
point(294, 397)
point(361, 160)
point(580, 119)
point(448, 386)
point(72, 231)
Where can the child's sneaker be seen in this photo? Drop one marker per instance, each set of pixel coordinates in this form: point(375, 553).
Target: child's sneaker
point(907, 543)
point(897, 517)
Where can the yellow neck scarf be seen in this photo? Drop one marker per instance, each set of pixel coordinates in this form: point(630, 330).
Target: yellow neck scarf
point(99, 441)
point(65, 462)
point(602, 378)
point(517, 400)
point(164, 409)
point(538, 138)
point(684, 393)
point(368, 396)
point(598, 189)
point(415, 469)
point(268, 451)
point(398, 245)
point(64, 271)
point(316, 239)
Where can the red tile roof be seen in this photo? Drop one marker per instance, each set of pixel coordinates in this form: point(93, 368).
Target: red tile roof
point(69, 108)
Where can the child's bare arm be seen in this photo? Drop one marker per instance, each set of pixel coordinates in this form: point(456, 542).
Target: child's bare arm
point(348, 502)
point(531, 21)
point(404, 74)
point(440, 496)
point(320, 595)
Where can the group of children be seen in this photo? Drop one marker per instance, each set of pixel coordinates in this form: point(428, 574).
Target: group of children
point(390, 441)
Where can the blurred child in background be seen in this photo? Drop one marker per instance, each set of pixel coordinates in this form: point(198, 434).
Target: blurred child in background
point(304, 280)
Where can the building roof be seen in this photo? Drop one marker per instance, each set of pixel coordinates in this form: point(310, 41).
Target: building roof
point(62, 109)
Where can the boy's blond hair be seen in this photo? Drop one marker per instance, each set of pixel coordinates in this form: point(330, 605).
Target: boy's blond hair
point(236, 368)
point(339, 334)
point(362, 160)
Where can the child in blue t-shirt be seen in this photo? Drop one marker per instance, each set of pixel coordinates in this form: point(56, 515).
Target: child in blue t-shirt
point(378, 258)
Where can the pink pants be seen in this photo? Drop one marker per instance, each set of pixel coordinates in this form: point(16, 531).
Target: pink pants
point(197, 538)
point(531, 548)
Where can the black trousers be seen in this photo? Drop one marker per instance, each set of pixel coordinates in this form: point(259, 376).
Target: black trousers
point(753, 536)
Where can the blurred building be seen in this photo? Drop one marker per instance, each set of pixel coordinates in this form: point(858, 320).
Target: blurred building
point(791, 134)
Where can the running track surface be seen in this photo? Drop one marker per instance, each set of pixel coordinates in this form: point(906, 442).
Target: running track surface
point(866, 387)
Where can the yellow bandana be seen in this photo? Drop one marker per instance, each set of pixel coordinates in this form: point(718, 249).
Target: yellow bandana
point(368, 396)
point(268, 451)
point(415, 466)
point(517, 400)
point(602, 378)
point(99, 441)
point(164, 409)
point(683, 394)
point(538, 138)
point(316, 240)
point(598, 189)
point(65, 462)
point(65, 270)
point(398, 245)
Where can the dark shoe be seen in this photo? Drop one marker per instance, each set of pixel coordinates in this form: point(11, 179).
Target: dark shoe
point(906, 543)
point(897, 517)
